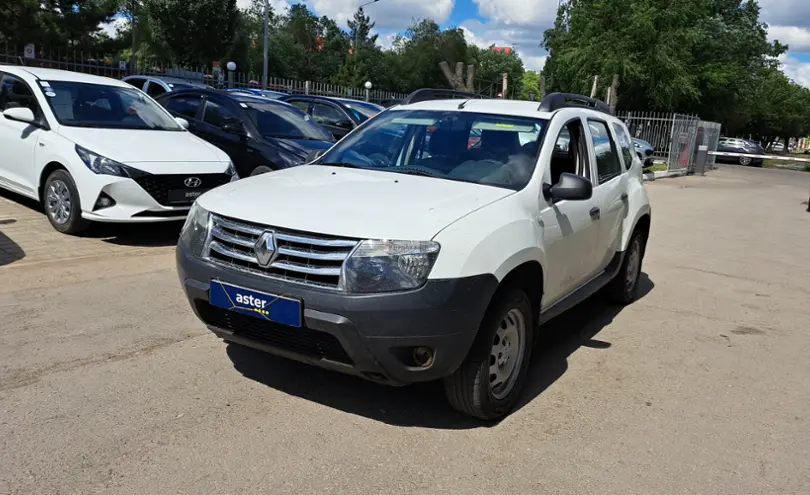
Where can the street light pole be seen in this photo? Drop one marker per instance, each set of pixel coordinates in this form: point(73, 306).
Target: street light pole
point(266, 21)
point(355, 37)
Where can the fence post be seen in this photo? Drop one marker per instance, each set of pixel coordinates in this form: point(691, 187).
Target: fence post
point(306, 87)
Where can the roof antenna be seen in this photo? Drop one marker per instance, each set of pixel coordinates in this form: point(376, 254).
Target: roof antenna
point(22, 62)
point(461, 105)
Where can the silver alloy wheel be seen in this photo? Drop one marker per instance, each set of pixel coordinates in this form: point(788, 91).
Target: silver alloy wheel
point(633, 265)
point(506, 356)
point(58, 202)
point(745, 160)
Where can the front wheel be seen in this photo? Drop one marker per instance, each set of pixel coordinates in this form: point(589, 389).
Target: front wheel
point(60, 199)
point(745, 160)
point(490, 380)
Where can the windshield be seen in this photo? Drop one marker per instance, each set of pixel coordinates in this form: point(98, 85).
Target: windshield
point(494, 150)
point(109, 107)
point(285, 122)
point(362, 111)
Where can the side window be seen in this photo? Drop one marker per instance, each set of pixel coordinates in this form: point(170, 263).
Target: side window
point(607, 158)
point(138, 82)
point(570, 152)
point(327, 114)
point(185, 106)
point(301, 105)
point(154, 89)
point(218, 115)
point(15, 93)
point(625, 145)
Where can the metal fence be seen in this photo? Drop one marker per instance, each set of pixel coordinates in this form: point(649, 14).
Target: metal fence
point(217, 77)
point(674, 136)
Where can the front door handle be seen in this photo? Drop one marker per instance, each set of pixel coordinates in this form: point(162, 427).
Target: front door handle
point(595, 212)
point(624, 196)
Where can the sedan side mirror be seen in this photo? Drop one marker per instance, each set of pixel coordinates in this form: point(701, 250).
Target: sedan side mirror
point(314, 155)
point(20, 114)
point(234, 128)
point(570, 186)
point(183, 122)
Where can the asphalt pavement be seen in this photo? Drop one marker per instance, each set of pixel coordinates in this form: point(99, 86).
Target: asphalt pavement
point(108, 384)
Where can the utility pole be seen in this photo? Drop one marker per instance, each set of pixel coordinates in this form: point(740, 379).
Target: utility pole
point(266, 29)
point(593, 88)
point(132, 60)
point(505, 78)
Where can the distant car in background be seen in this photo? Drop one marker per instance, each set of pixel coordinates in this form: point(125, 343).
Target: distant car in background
point(339, 116)
point(738, 145)
point(259, 134)
point(645, 151)
point(265, 93)
point(155, 86)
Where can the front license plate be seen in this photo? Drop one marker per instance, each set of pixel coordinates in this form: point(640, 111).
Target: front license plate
point(279, 309)
point(182, 196)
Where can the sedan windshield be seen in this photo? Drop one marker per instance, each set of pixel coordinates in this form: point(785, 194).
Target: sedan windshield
point(109, 107)
point(277, 120)
point(487, 149)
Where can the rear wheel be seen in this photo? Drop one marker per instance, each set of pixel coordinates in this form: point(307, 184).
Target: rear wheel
point(490, 381)
point(744, 160)
point(60, 199)
point(623, 289)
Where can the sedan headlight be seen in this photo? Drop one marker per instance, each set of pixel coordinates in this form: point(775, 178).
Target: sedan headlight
point(388, 266)
point(102, 165)
point(232, 172)
point(195, 230)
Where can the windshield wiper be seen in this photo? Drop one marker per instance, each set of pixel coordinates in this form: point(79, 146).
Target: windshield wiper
point(413, 171)
point(342, 164)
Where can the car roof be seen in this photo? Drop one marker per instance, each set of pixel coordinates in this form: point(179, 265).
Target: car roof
point(349, 101)
point(233, 96)
point(61, 75)
point(515, 108)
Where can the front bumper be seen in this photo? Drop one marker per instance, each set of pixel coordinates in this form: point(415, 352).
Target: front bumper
point(371, 336)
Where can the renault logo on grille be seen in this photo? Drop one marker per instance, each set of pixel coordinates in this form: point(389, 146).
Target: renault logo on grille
point(265, 249)
point(193, 182)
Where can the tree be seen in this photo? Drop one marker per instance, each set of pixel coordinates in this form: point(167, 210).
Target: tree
point(196, 33)
point(420, 50)
point(490, 67)
point(364, 59)
point(531, 84)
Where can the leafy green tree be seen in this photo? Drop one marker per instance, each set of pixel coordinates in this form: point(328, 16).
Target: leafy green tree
point(423, 46)
point(531, 84)
point(490, 67)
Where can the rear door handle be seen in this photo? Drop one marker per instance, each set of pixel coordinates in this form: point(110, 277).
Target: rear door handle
point(624, 196)
point(595, 212)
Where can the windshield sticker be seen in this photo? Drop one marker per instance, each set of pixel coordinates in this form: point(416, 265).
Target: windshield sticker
point(413, 121)
point(50, 93)
point(495, 126)
point(45, 84)
point(243, 105)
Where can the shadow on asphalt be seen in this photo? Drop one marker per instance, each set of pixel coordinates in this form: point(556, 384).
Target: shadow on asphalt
point(10, 251)
point(424, 404)
point(122, 234)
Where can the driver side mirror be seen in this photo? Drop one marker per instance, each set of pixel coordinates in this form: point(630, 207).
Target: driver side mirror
point(20, 114)
point(235, 128)
point(570, 186)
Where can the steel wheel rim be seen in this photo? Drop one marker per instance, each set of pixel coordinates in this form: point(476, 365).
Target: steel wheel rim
point(745, 160)
point(633, 265)
point(506, 356)
point(58, 202)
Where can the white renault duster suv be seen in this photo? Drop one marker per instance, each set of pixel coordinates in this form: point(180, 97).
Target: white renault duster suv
point(430, 243)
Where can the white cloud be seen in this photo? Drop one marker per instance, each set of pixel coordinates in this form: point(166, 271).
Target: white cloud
point(797, 38)
point(795, 69)
point(785, 12)
point(525, 38)
point(111, 28)
point(386, 41)
point(387, 14)
point(278, 6)
point(540, 12)
point(535, 63)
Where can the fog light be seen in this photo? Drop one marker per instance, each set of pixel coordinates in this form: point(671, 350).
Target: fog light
point(103, 201)
point(423, 356)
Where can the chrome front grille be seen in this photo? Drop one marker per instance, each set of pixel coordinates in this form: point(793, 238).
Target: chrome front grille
point(310, 259)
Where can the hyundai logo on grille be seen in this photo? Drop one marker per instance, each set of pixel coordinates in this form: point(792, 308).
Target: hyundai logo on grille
point(193, 182)
point(265, 249)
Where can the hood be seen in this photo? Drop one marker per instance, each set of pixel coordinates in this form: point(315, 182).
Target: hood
point(143, 146)
point(299, 148)
point(349, 202)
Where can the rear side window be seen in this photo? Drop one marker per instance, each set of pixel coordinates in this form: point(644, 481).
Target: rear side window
point(607, 157)
point(154, 89)
point(624, 145)
point(186, 106)
point(137, 82)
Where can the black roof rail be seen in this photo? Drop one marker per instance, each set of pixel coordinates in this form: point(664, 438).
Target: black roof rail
point(555, 101)
point(427, 94)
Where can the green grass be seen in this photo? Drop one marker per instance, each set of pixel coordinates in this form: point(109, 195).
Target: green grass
point(774, 163)
point(658, 167)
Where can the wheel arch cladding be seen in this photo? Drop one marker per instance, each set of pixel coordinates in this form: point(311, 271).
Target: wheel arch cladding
point(46, 172)
point(527, 277)
point(643, 226)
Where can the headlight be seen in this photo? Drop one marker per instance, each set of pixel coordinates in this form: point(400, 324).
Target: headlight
point(232, 172)
point(102, 165)
point(195, 230)
point(388, 266)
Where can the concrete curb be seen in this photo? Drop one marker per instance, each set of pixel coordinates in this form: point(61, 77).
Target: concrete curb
point(651, 176)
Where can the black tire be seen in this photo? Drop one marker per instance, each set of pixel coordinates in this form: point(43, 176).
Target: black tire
point(745, 160)
point(620, 290)
point(73, 223)
point(261, 169)
point(468, 389)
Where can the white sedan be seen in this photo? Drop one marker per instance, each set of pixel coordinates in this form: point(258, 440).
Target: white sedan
point(91, 148)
